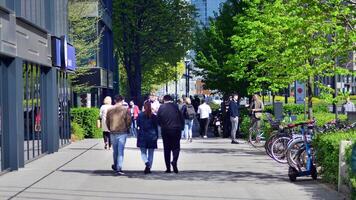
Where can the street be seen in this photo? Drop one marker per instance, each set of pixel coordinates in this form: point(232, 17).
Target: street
point(209, 169)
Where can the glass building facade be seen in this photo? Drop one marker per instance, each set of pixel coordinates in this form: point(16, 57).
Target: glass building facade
point(206, 9)
point(34, 93)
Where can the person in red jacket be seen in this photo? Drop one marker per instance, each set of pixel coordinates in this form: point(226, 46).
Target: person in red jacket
point(134, 111)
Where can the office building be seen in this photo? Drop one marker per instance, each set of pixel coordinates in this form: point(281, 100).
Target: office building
point(35, 60)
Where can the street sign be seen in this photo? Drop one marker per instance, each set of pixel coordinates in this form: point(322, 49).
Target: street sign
point(299, 92)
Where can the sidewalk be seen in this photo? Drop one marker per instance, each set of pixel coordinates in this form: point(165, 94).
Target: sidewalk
point(209, 169)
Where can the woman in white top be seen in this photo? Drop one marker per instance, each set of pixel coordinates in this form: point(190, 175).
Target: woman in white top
point(103, 110)
point(204, 111)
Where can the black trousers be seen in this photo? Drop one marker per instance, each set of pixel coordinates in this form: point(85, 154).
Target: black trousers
point(171, 145)
point(204, 123)
point(107, 139)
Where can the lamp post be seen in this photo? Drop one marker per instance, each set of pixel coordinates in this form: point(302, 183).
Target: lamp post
point(187, 62)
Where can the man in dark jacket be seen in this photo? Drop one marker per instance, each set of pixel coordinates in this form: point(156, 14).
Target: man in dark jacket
point(234, 117)
point(172, 122)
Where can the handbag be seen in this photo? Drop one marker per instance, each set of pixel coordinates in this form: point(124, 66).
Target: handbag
point(98, 123)
point(258, 115)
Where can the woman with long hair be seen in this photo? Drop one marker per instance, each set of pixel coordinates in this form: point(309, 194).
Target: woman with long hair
point(147, 135)
point(103, 111)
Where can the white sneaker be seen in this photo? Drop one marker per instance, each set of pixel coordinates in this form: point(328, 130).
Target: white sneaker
point(205, 136)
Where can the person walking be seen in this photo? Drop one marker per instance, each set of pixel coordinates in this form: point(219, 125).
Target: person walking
point(171, 121)
point(204, 111)
point(256, 109)
point(103, 111)
point(147, 135)
point(134, 111)
point(189, 115)
point(348, 106)
point(234, 106)
point(118, 121)
point(181, 103)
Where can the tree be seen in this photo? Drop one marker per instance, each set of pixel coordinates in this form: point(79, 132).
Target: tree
point(149, 34)
point(83, 33)
point(213, 49)
point(282, 41)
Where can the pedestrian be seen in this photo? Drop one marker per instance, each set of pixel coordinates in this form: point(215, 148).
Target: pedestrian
point(171, 121)
point(147, 135)
point(256, 109)
point(189, 115)
point(348, 106)
point(204, 112)
point(118, 121)
point(134, 111)
point(154, 103)
point(234, 107)
point(103, 111)
point(181, 103)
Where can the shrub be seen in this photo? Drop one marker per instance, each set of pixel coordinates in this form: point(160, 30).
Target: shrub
point(77, 131)
point(86, 118)
point(296, 109)
point(214, 107)
point(327, 153)
point(322, 118)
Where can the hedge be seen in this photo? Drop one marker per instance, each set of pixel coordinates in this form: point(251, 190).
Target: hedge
point(322, 118)
point(77, 131)
point(327, 153)
point(86, 118)
point(296, 109)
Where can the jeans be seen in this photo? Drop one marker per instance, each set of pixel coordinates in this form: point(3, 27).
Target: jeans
point(118, 143)
point(147, 155)
point(234, 126)
point(133, 128)
point(188, 128)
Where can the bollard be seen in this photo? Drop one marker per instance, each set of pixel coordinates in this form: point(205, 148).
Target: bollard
point(278, 110)
point(342, 186)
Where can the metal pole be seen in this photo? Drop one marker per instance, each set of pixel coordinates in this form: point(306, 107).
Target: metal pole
point(176, 92)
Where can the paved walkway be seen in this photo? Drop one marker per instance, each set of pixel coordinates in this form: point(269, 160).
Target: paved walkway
point(209, 169)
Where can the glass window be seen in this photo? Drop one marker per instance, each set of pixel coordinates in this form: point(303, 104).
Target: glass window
point(32, 111)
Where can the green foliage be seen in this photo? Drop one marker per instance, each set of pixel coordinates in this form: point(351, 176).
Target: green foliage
point(214, 107)
point(77, 131)
point(322, 118)
point(327, 153)
point(213, 48)
point(85, 37)
point(151, 34)
point(296, 109)
point(87, 118)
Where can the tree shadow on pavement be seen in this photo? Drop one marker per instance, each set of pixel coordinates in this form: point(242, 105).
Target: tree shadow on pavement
point(190, 175)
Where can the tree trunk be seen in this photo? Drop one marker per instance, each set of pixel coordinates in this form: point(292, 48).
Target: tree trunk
point(310, 98)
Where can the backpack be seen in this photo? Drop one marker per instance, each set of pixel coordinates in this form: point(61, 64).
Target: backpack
point(190, 112)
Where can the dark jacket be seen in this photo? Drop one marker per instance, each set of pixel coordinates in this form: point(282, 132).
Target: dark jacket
point(147, 135)
point(170, 117)
point(234, 108)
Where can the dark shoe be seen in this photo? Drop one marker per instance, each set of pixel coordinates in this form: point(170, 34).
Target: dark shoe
point(120, 173)
point(113, 167)
point(175, 168)
point(234, 142)
point(168, 171)
point(147, 168)
point(106, 146)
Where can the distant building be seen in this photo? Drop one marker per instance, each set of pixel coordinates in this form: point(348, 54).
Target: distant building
point(104, 71)
point(206, 9)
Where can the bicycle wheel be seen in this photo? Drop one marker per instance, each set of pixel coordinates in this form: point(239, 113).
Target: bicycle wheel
point(279, 148)
point(257, 138)
point(292, 152)
point(269, 142)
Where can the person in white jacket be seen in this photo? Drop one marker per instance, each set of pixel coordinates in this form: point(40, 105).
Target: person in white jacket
point(103, 110)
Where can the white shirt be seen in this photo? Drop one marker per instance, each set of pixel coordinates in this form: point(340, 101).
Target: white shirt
point(103, 111)
point(155, 106)
point(204, 110)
